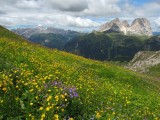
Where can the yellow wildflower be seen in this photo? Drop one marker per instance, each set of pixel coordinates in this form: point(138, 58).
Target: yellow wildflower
point(71, 119)
point(49, 98)
point(62, 96)
point(45, 78)
point(156, 118)
point(98, 115)
point(49, 90)
point(25, 84)
point(31, 90)
point(32, 118)
point(56, 97)
point(1, 101)
point(47, 108)
point(56, 116)
point(113, 113)
point(62, 110)
point(16, 98)
point(36, 97)
point(43, 116)
point(31, 104)
point(4, 89)
point(41, 108)
point(36, 86)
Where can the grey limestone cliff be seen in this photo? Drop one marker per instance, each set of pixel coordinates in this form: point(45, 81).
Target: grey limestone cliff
point(140, 26)
point(143, 60)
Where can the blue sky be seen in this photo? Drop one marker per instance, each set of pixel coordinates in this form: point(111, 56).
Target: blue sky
point(140, 2)
point(76, 14)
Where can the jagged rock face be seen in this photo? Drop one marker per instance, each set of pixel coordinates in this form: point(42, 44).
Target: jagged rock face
point(140, 26)
point(143, 60)
point(115, 25)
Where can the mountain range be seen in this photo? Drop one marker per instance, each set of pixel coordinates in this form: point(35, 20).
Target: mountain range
point(27, 32)
point(140, 26)
point(47, 36)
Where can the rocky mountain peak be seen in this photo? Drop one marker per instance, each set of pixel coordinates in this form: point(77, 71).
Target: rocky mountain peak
point(140, 21)
point(116, 20)
point(125, 23)
point(140, 26)
point(114, 25)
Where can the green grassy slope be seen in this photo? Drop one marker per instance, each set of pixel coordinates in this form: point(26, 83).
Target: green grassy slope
point(155, 71)
point(8, 34)
point(40, 83)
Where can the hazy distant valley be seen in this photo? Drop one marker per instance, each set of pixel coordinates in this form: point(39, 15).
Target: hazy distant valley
point(49, 37)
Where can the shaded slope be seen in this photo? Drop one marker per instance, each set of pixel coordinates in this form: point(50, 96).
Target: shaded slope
point(101, 46)
point(111, 46)
point(53, 40)
point(36, 82)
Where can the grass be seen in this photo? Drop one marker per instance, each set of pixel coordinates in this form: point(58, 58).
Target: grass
point(41, 83)
point(155, 71)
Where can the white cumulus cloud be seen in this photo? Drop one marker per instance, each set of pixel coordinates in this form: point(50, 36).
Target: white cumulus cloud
point(158, 22)
point(73, 13)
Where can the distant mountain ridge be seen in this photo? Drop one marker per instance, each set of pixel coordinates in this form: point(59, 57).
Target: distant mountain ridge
point(27, 32)
point(47, 36)
point(140, 26)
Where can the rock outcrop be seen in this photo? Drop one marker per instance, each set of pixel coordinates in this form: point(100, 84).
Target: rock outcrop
point(140, 26)
point(115, 25)
point(143, 60)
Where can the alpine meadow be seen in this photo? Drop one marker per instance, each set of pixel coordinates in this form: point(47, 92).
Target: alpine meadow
point(41, 83)
point(79, 60)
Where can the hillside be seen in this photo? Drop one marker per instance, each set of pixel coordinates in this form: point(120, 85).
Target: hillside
point(146, 62)
point(110, 46)
point(41, 83)
point(50, 40)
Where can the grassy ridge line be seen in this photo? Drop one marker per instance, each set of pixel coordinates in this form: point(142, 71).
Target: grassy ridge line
point(104, 91)
point(8, 34)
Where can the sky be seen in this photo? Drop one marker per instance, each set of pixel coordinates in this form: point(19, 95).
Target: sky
point(76, 14)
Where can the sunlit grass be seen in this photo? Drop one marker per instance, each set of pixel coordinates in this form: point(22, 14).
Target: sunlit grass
point(40, 83)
